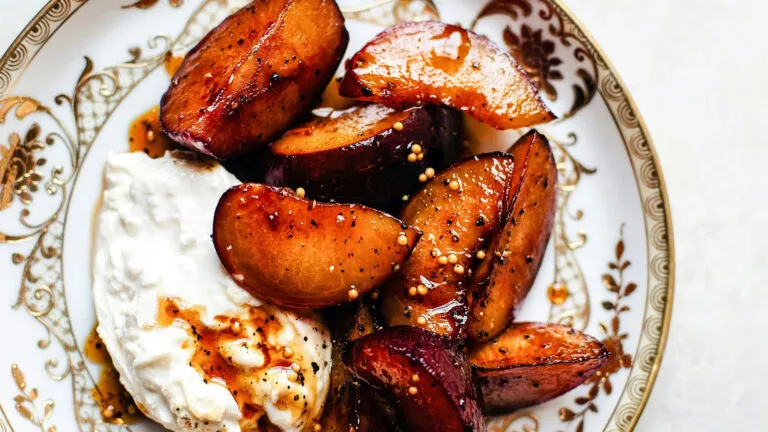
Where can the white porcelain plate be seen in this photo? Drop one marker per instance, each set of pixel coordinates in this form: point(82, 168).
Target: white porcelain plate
point(83, 70)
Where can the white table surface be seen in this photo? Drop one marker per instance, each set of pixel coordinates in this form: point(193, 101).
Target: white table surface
point(698, 72)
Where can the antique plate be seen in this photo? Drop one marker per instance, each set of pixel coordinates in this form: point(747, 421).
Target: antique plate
point(81, 71)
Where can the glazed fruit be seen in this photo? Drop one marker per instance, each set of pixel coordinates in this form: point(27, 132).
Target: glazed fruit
point(360, 155)
point(505, 276)
point(417, 63)
point(531, 363)
point(429, 381)
point(458, 212)
point(352, 405)
point(299, 253)
point(253, 75)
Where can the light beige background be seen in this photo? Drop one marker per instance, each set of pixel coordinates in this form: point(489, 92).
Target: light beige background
point(698, 71)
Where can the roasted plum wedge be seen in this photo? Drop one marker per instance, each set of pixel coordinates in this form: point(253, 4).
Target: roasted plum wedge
point(300, 253)
point(417, 63)
point(352, 405)
point(359, 155)
point(504, 277)
point(253, 75)
point(458, 211)
point(531, 363)
point(429, 381)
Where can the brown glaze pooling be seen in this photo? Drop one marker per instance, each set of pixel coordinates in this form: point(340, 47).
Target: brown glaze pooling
point(146, 135)
point(454, 52)
point(417, 63)
point(117, 405)
point(211, 355)
point(172, 63)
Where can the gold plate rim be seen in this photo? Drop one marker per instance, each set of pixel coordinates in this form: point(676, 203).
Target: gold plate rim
point(57, 12)
point(653, 374)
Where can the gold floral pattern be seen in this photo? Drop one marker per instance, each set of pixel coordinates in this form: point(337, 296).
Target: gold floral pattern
point(574, 309)
point(387, 13)
point(146, 4)
point(41, 292)
point(19, 175)
point(5, 424)
point(42, 287)
point(27, 403)
point(515, 422)
point(613, 340)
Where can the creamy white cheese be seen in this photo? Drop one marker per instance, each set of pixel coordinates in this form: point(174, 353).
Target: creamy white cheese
point(153, 243)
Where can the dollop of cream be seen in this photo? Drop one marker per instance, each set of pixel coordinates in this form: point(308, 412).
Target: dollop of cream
point(153, 246)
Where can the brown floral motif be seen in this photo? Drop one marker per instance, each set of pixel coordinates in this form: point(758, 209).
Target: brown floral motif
point(26, 402)
point(146, 4)
point(511, 8)
point(535, 55)
point(19, 175)
point(535, 49)
point(613, 341)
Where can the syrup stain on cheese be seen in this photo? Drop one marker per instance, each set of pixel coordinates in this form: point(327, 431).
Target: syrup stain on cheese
point(117, 405)
point(215, 346)
point(146, 135)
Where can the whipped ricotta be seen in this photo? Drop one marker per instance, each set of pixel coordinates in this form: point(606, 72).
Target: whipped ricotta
point(161, 295)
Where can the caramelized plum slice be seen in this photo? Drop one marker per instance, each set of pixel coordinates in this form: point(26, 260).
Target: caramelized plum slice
point(416, 63)
point(253, 75)
point(359, 155)
point(298, 253)
point(352, 405)
point(531, 363)
point(458, 212)
point(429, 381)
point(507, 273)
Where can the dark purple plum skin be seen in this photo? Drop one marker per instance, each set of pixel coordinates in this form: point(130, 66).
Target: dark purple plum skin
point(374, 171)
point(447, 397)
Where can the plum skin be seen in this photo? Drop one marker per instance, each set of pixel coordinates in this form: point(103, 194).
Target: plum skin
point(443, 398)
